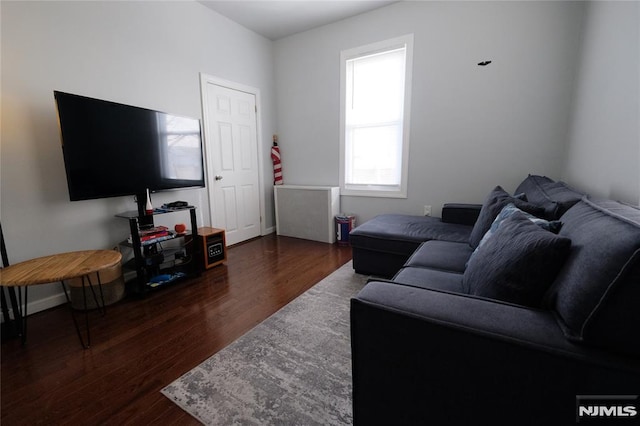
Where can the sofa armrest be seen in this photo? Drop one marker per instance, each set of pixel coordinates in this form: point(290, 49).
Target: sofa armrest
point(463, 214)
point(431, 357)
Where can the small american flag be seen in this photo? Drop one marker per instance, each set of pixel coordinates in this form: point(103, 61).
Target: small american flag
point(277, 165)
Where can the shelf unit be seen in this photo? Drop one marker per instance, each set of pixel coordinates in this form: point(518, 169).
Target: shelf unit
point(150, 263)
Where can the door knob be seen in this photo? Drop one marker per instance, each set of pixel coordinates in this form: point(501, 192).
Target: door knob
point(218, 177)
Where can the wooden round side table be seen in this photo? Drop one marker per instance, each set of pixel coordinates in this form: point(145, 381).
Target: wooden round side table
point(60, 267)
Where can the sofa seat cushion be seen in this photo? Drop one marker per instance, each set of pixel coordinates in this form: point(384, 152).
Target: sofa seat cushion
point(517, 264)
point(432, 279)
point(396, 233)
point(555, 197)
point(497, 199)
point(441, 255)
point(597, 294)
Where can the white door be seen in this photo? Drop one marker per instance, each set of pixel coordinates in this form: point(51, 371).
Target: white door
point(230, 127)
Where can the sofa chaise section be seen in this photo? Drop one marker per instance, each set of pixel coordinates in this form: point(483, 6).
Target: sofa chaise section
point(382, 245)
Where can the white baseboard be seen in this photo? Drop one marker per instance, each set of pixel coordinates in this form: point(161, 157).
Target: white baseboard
point(46, 303)
point(43, 304)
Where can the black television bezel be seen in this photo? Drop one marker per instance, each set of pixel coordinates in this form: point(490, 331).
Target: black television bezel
point(136, 190)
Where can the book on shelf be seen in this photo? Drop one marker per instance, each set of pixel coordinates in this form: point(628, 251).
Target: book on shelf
point(152, 239)
point(153, 231)
point(144, 238)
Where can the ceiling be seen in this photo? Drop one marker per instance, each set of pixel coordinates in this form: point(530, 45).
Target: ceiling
point(275, 19)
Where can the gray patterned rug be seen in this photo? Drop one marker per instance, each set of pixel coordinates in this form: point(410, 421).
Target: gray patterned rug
point(294, 368)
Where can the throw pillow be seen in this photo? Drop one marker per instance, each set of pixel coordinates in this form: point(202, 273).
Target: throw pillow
point(517, 264)
point(555, 197)
point(508, 210)
point(563, 196)
point(532, 184)
point(533, 187)
point(493, 204)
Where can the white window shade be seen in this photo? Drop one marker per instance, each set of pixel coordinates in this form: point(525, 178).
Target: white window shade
point(375, 118)
point(375, 156)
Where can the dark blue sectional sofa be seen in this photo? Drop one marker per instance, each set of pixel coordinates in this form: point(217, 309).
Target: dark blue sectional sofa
point(517, 311)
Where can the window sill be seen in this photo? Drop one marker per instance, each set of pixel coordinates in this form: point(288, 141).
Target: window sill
point(372, 193)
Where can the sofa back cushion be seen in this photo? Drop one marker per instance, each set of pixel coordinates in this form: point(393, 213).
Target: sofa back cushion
point(596, 295)
point(555, 197)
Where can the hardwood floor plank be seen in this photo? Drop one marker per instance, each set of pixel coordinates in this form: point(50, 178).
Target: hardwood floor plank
point(143, 344)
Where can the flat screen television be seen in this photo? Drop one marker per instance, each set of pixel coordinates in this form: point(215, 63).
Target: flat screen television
point(111, 149)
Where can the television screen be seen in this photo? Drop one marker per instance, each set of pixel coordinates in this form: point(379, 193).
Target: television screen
point(112, 149)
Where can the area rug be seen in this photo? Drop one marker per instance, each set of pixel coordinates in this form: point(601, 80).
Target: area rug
point(294, 368)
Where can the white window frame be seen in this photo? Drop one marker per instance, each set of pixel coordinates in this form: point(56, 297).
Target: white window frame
point(345, 55)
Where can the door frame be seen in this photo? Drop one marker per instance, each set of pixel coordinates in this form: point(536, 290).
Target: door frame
point(209, 79)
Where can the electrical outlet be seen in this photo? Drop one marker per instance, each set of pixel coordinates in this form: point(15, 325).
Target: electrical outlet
point(427, 210)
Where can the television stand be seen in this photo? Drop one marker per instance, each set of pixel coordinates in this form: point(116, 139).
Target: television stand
point(154, 266)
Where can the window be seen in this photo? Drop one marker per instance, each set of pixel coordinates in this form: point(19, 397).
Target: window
point(180, 150)
point(374, 118)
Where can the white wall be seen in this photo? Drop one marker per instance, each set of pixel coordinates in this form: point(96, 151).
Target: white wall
point(147, 54)
point(471, 127)
point(603, 154)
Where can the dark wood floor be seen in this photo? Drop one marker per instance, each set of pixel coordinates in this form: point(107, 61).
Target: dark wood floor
point(142, 345)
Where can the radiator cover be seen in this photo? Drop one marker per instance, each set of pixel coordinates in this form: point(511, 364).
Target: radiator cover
point(307, 212)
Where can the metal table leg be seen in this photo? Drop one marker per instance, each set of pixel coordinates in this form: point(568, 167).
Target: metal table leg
point(102, 308)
